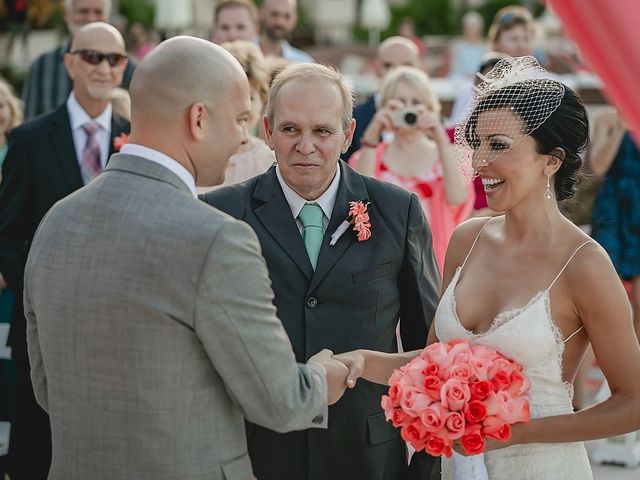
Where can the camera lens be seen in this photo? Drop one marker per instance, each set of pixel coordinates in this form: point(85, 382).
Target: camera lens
point(410, 118)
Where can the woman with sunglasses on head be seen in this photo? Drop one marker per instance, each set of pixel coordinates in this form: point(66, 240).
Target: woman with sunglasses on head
point(416, 153)
point(529, 283)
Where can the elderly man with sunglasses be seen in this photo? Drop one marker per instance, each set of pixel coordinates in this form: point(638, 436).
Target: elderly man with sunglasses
point(48, 84)
point(49, 158)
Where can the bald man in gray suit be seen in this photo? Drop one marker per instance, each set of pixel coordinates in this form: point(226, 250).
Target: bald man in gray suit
point(151, 328)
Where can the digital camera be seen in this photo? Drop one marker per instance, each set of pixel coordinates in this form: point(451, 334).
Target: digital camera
point(406, 118)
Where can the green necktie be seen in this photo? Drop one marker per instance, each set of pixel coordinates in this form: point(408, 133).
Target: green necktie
point(311, 218)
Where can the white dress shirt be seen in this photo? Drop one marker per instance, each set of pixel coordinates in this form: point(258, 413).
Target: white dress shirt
point(78, 118)
point(326, 201)
point(164, 160)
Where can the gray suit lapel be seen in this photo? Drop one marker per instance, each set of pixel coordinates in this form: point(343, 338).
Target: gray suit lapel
point(351, 188)
point(274, 213)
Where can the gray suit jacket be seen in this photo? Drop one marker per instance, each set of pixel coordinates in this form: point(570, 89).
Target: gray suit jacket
point(152, 334)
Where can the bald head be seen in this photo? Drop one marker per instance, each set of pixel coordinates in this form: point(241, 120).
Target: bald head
point(97, 36)
point(178, 73)
point(190, 101)
point(396, 51)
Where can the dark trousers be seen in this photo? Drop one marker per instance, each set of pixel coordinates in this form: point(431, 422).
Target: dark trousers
point(30, 443)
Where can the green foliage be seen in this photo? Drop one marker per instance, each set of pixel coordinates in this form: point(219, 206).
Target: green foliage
point(431, 17)
point(138, 11)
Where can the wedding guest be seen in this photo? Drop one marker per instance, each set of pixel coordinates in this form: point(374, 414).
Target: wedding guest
point(151, 328)
point(48, 83)
point(419, 157)
point(278, 18)
point(235, 20)
point(333, 290)
point(530, 283)
point(616, 216)
point(392, 52)
point(49, 158)
point(513, 31)
point(10, 117)
point(464, 54)
point(141, 42)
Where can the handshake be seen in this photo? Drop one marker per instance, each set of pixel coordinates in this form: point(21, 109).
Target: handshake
point(341, 371)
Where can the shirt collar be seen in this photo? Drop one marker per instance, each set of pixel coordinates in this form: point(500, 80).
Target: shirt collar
point(162, 159)
point(326, 201)
point(78, 116)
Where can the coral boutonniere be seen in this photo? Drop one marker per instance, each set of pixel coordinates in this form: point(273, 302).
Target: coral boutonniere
point(359, 218)
point(119, 142)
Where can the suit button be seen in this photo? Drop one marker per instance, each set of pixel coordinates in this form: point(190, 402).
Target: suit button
point(318, 419)
point(312, 302)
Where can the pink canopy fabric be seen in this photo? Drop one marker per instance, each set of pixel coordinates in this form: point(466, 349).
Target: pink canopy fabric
point(608, 35)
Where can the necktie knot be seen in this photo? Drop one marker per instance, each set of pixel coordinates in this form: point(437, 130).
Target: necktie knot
point(311, 217)
point(90, 128)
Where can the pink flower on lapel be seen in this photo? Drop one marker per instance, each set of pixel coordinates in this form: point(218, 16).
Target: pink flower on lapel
point(119, 142)
point(358, 217)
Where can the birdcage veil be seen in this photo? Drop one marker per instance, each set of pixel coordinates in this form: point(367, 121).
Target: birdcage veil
point(515, 85)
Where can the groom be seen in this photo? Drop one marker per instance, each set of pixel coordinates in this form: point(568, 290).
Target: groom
point(344, 296)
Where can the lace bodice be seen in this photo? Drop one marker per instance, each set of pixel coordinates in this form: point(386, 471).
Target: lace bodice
point(526, 334)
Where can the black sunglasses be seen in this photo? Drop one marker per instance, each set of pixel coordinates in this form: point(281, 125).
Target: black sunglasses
point(95, 58)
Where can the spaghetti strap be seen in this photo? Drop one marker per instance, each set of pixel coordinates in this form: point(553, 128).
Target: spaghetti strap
point(574, 333)
point(566, 264)
point(474, 243)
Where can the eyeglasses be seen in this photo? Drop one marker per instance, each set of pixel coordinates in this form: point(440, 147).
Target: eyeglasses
point(95, 58)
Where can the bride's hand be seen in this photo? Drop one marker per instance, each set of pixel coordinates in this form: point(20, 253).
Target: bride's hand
point(355, 362)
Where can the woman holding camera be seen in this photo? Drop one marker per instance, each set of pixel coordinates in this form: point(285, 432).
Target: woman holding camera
point(416, 153)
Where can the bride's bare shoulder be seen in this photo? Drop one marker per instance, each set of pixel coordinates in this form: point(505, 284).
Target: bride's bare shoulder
point(464, 235)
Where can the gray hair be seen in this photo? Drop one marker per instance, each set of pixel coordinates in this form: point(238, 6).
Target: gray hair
point(309, 71)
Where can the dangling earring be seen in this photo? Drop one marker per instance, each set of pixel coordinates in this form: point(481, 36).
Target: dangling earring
point(547, 192)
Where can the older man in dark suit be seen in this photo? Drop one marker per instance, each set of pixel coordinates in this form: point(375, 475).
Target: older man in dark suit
point(335, 289)
point(49, 158)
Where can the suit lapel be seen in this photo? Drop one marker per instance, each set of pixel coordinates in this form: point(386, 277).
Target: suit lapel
point(64, 148)
point(275, 215)
point(351, 189)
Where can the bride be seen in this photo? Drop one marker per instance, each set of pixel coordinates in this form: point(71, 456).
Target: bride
point(529, 283)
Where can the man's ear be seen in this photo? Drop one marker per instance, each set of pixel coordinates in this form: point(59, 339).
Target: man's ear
point(268, 130)
point(68, 60)
point(348, 135)
point(196, 117)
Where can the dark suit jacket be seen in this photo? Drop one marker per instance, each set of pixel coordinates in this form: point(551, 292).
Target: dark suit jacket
point(41, 168)
point(353, 300)
point(363, 114)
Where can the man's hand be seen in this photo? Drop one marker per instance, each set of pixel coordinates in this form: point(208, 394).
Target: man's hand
point(336, 374)
point(3, 283)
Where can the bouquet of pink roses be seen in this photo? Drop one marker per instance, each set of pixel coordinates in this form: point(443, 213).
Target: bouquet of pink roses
point(456, 391)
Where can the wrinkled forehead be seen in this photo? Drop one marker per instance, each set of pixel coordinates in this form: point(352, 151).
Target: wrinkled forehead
point(293, 102)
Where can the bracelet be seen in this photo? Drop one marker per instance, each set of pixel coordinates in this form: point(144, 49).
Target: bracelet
point(365, 144)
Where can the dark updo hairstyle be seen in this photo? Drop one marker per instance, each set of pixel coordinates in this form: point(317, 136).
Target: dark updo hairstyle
point(566, 128)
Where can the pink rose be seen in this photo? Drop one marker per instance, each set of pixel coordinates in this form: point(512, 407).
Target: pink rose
point(395, 394)
point(461, 371)
point(454, 423)
point(431, 369)
point(475, 411)
point(399, 418)
point(433, 417)
point(460, 352)
point(413, 402)
point(437, 446)
point(432, 386)
point(414, 434)
point(502, 364)
point(480, 390)
point(437, 353)
point(501, 380)
point(519, 384)
point(472, 441)
point(497, 404)
point(387, 406)
point(495, 428)
point(454, 394)
point(480, 368)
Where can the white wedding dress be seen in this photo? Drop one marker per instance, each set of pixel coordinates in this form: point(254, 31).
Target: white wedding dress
point(530, 336)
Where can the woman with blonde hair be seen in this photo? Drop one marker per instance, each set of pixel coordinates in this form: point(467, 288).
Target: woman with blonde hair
point(416, 152)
